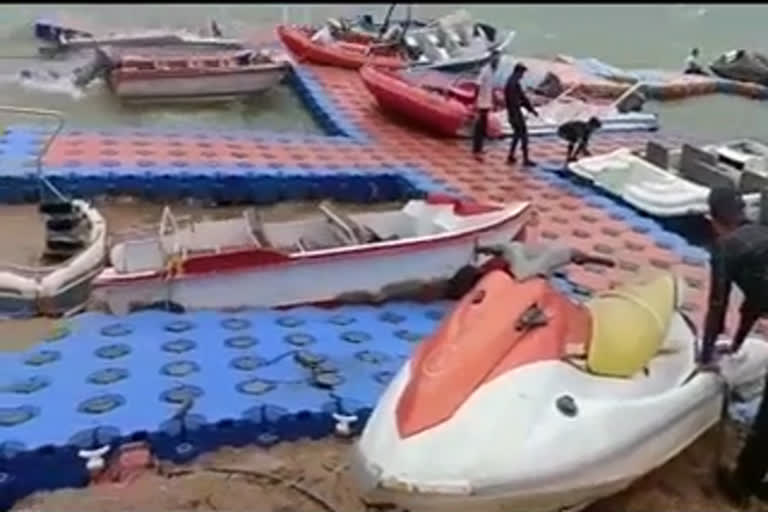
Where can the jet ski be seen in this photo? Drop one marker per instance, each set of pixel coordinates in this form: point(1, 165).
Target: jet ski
point(742, 65)
point(524, 401)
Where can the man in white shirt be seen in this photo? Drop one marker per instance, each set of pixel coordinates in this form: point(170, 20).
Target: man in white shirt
point(484, 104)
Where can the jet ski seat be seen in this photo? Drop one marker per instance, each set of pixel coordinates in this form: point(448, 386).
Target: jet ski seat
point(629, 326)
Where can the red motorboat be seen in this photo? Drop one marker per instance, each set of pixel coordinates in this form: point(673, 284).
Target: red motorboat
point(349, 50)
point(440, 105)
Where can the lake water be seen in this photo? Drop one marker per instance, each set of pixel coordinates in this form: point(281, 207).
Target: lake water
point(631, 35)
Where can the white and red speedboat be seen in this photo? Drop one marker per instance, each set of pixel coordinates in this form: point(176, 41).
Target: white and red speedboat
point(523, 401)
point(204, 77)
point(247, 262)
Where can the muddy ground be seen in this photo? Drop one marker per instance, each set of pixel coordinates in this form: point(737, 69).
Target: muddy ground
point(313, 477)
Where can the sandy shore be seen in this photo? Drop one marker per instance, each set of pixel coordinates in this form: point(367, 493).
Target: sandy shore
point(319, 469)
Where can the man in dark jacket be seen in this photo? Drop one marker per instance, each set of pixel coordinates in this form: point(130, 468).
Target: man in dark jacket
point(516, 100)
point(740, 255)
point(577, 133)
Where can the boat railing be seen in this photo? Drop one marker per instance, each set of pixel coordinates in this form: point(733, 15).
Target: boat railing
point(39, 160)
point(168, 221)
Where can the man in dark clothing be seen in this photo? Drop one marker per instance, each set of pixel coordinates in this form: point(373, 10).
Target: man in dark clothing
point(516, 100)
point(577, 133)
point(740, 255)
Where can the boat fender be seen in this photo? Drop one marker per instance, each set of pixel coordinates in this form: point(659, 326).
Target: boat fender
point(343, 424)
point(94, 459)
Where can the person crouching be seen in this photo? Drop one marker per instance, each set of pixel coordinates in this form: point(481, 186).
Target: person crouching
point(577, 134)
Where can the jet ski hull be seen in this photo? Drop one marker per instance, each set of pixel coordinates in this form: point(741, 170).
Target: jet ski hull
point(547, 435)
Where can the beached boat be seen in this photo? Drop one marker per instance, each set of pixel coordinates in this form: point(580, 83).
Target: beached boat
point(523, 401)
point(672, 183)
point(247, 262)
point(76, 233)
point(444, 105)
point(206, 77)
point(450, 42)
point(742, 65)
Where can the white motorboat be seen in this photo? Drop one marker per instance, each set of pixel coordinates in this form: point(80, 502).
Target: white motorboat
point(247, 262)
point(221, 76)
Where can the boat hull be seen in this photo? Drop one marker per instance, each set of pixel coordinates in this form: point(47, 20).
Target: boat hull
point(349, 56)
point(443, 116)
point(657, 192)
point(366, 271)
point(578, 406)
point(561, 483)
point(203, 86)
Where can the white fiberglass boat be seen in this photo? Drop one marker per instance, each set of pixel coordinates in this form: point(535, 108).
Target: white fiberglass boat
point(523, 401)
point(207, 77)
point(666, 183)
point(568, 106)
point(76, 232)
point(247, 262)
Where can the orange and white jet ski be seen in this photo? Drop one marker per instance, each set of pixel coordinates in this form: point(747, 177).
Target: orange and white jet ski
point(525, 401)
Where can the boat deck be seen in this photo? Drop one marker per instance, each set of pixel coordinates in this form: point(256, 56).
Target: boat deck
point(124, 375)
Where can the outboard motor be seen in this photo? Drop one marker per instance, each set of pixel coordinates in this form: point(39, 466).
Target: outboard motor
point(65, 230)
point(632, 103)
point(101, 64)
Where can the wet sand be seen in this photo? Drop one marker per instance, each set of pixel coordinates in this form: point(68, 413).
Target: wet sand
point(319, 468)
point(24, 226)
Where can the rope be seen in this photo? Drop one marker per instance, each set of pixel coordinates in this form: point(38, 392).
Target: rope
point(174, 267)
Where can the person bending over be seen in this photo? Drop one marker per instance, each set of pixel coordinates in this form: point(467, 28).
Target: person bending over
point(577, 134)
point(739, 255)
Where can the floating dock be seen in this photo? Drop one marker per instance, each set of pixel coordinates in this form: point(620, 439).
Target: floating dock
point(265, 376)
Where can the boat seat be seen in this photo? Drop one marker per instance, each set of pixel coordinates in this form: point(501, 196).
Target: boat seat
point(657, 154)
point(701, 168)
point(629, 326)
point(256, 225)
point(310, 244)
point(751, 182)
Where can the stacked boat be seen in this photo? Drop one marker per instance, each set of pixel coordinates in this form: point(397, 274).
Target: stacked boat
point(453, 42)
point(445, 105)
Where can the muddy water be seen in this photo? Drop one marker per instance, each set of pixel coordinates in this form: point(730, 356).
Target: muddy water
point(22, 225)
